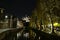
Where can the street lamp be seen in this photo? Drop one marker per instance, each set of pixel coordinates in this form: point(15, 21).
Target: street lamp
point(6, 16)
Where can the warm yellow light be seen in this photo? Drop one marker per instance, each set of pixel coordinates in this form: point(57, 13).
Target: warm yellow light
point(55, 24)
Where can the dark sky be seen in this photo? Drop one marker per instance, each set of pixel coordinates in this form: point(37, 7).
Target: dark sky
point(18, 7)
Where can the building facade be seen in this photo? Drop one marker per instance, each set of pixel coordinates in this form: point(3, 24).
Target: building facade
point(7, 21)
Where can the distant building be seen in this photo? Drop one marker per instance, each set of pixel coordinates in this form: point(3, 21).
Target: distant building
point(19, 23)
point(27, 19)
point(7, 21)
point(3, 19)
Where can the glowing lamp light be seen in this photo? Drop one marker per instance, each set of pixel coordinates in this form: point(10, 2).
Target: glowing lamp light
point(6, 16)
point(55, 24)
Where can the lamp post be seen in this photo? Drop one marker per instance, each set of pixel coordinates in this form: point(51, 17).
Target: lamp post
point(14, 24)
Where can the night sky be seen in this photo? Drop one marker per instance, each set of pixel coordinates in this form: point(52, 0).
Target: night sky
point(19, 7)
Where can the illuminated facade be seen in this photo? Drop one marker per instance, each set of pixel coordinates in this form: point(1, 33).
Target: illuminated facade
point(7, 21)
point(3, 19)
